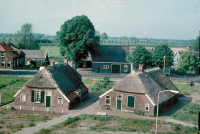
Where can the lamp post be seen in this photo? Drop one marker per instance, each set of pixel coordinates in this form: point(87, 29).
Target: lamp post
point(173, 91)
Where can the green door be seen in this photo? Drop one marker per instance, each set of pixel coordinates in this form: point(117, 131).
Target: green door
point(119, 103)
point(98, 69)
point(48, 101)
point(115, 68)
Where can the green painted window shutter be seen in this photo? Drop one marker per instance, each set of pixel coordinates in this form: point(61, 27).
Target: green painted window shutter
point(32, 95)
point(131, 101)
point(42, 96)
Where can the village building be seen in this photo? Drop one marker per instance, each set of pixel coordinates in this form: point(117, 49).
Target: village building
point(37, 55)
point(111, 59)
point(10, 56)
point(54, 87)
point(138, 91)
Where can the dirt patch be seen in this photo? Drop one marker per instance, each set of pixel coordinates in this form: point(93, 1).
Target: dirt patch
point(112, 124)
point(85, 125)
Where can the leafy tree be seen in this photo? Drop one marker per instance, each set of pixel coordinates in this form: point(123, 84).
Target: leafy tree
point(25, 39)
point(139, 56)
point(195, 44)
point(104, 36)
point(158, 56)
point(187, 62)
point(97, 33)
point(77, 38)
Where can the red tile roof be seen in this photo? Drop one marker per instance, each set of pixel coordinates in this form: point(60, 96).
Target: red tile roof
point(5, 47)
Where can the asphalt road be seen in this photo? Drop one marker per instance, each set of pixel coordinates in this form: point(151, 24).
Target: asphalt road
point(99, 75)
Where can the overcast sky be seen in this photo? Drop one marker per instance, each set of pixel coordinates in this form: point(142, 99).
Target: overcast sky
point(164, 19)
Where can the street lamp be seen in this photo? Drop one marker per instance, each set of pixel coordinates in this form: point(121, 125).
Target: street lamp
point(173, 91)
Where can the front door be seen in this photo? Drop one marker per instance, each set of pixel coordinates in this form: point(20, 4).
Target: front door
point(119, 102)
point(48, 101)
point(98, 69)
point(115, 68)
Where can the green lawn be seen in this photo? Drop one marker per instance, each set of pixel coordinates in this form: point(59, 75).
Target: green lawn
point(113, 123)
point(9, 86)
point(186, 89)
point(188, 113)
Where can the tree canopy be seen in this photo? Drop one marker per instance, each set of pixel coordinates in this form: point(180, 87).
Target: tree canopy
point(187, 62)
point(158, 55)
point(195, 44)
point(139, 56)
point(25, 39)
point(77, 38)
point(104, 36)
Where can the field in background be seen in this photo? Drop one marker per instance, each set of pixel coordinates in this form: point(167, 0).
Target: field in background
point(9, 86)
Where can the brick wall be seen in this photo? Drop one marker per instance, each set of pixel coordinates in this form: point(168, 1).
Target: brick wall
point(140, 101)
point(55, 94)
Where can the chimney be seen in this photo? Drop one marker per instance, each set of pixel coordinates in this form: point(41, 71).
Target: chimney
point(141, 67)
point(52, 63)
point(66, 61)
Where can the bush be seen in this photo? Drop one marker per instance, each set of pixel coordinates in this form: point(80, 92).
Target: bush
point(39, 64)
point(105, 81)
point(32, 67)
point(191, 83)
point(12, 108)
point(44, 131)
point(178, 127)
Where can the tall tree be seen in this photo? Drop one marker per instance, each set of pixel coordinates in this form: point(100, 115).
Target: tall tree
point(187, 62)
point(77, 38)
point(195, 44)
point(158, 56)
point(25, 39)
point(97, 33)
point(139, 56)
point(104, 36)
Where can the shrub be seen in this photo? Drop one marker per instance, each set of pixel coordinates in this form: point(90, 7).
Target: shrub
point(32, 67)
point(39, 64)
point(105, 81)
point(31, 124)
point(44, 131)
point(178, 127)
point(12, 108)
point(191, 83)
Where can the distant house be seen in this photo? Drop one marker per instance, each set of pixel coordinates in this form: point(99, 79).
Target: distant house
point(111, 59)
point(11, 57)
point(37, 55)
point(138, 91)
point(176, 58)
point(85, 63)
point(57, 88)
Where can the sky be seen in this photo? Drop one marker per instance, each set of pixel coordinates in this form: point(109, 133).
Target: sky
point(160, 19)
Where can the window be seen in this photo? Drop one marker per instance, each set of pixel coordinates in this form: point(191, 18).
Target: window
point(23, 98)
point(2, 54)
point(108, 100)
point(3, 63)
point(119, 97)
point(37, 96)
point(17, 62)
point(60, 101)
point(8, 63)
point(131, 101)
point(125, 68)
point(105, 66)
point(146, 107)
point(14, 62)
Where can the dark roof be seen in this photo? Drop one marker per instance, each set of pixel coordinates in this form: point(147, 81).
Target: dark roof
point(149, 82)
point(194, 52)
point(35, 53)
point(62, 76)
point(109, 53)
point(7, 48)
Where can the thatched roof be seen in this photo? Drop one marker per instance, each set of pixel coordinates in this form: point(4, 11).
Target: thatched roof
point(63, 77)
point(38, 54)
point(110, 53)
point(149, 82)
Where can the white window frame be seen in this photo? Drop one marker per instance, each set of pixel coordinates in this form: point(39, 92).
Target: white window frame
point(105, 66)
point(60, 102)
point(134, 101)
point(126, 66)
point(109, 99)
point(146, 105)
point(21, 97)
point(9, 62)
point(37, 99)
point(2, 54)
point(3, 62)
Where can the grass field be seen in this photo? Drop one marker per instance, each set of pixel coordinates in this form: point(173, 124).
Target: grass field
point(96, 123)
point(9, 86)
point(186, 89)
point(189, 113)
point(14, 120)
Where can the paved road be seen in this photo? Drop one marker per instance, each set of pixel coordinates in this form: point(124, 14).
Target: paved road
point(98, 75)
